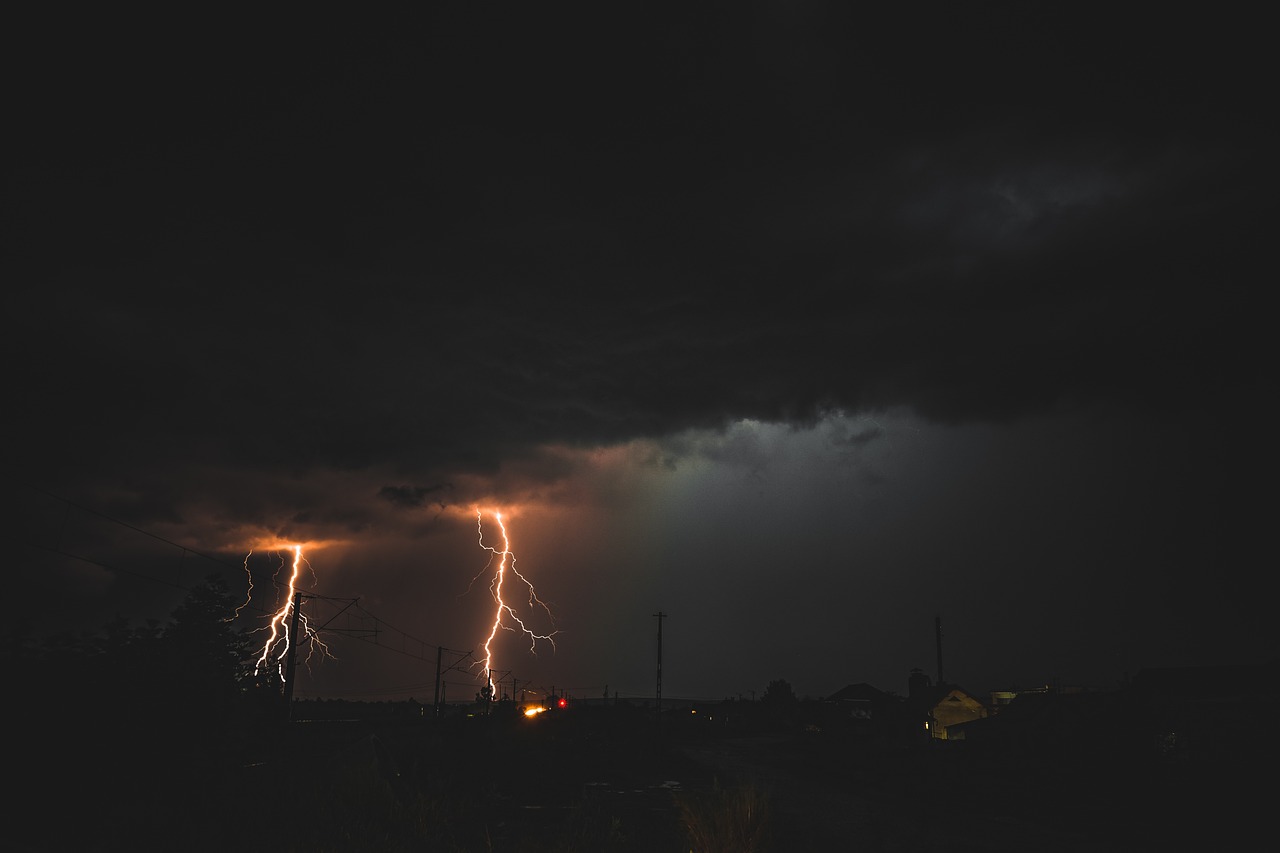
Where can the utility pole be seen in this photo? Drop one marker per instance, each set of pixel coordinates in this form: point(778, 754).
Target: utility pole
point(291, 665)
point(439, 652)
point(442, 685)
point(660, 616)
point(496, 680)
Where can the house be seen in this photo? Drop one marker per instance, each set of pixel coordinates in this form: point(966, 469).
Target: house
point(1075, 725)
point(925, 715)
point(863, 713)
point(938, 707)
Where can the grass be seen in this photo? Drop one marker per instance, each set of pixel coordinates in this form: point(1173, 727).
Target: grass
point(444, 789)
point(736, 819)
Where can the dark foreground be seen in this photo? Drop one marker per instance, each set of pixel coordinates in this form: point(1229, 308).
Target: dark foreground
point(607, 783)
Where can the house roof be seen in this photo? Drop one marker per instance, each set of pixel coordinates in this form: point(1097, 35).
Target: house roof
point(861, 692)
point(934, 695)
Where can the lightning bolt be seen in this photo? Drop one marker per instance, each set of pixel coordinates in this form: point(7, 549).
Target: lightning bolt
point(506, 562)
point(277, 644)
point(248, 593)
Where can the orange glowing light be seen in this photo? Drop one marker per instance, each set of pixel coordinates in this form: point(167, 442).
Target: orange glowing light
point(506, 561)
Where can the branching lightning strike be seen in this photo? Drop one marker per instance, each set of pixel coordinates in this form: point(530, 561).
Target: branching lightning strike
point(506, 562)
point(276, 648)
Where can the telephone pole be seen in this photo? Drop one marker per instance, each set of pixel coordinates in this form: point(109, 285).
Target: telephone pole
point(291, 664)
point(660, 616)
point(436, 707)
point(440, 685)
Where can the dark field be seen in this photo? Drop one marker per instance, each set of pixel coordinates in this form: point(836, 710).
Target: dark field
point(608, 780)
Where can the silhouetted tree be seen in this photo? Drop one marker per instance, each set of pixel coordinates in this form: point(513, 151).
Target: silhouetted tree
point(779, 693)
point(130, 714)
point(209, 653)
point(779, 705)
point(207, 660)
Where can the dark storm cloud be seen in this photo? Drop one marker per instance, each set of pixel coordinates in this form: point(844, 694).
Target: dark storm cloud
point(438, 243)
point(414, 496)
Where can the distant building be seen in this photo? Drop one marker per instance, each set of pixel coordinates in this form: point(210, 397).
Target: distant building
point(863, 713)
point(928, 713)
point(940, 707)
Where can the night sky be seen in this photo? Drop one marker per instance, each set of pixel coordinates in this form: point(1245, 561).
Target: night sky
point(801, 323)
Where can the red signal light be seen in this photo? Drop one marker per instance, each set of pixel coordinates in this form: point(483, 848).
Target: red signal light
point(562, 702)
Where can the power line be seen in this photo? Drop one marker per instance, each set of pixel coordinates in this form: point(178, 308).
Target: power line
point(381, 691)
point(125, 524)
